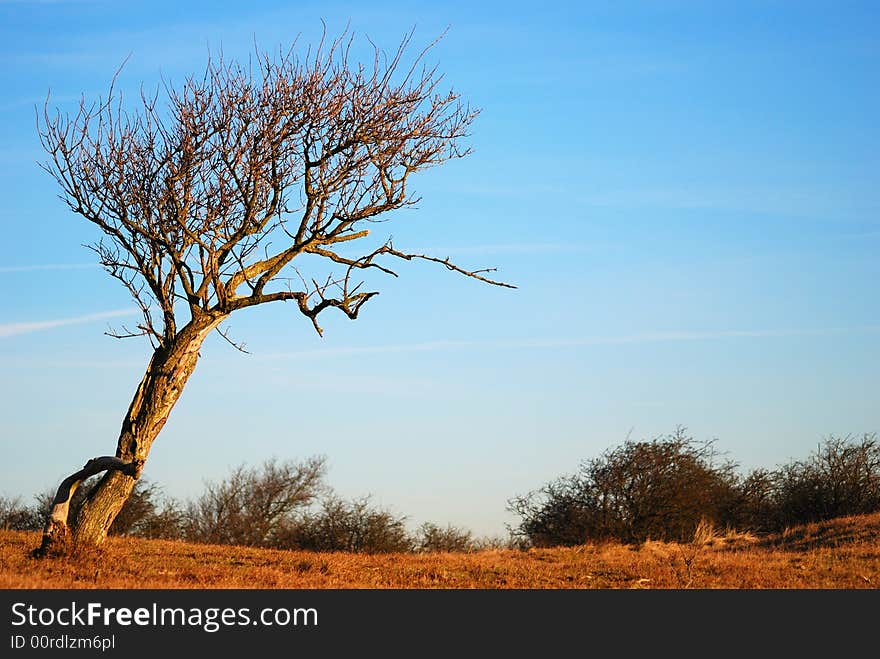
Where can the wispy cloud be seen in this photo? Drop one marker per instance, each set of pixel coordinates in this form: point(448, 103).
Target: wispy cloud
point(574, 342)
point(510, 248)
point(660, 337)
point(854, 202)
point(13, 329)
point(430, 346)
point(27, 362)
point(547, 343)
point(353, 383)
point(47, 266)
point(38, 100)
point(47, 2)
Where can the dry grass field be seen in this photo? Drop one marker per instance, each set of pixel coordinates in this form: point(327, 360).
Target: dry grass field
point(839, 554)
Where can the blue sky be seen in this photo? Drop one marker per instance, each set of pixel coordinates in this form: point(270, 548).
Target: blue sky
point(687, 196)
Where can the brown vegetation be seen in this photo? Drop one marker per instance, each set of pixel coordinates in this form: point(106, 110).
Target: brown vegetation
point(666, 488)
point(840, 553)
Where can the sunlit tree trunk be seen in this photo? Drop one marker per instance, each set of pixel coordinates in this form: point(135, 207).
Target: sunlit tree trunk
point(160, 388)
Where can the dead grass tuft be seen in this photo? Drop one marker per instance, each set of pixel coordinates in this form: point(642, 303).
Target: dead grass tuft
point(843, 553)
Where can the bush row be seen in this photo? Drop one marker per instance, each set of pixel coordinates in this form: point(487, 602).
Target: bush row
point(660, 489)
point(282, 505)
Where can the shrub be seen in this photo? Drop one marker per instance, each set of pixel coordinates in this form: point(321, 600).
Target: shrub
point(658, 489)
point(842, 477)
point(15, 516)
point(146, 514)
point(663, 488)
point(353, 526)
point(432, 537)
point(755, 507)
point(253, 505)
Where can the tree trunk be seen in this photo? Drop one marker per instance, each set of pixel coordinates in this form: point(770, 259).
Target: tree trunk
point(160, 388)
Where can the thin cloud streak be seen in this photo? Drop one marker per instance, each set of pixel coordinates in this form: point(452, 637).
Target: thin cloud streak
point(14, 329)
point(439, 346)
point(98, 364)
point(549, 343)
point(431, 346)
point(47, 266)
point(513, 248)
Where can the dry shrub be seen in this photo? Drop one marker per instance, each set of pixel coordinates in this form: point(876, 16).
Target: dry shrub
point(659, 489)
point(432, 538)
point(347, 526)
point(255, 505)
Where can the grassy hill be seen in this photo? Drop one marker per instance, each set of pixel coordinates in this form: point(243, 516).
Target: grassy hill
point(841, 553)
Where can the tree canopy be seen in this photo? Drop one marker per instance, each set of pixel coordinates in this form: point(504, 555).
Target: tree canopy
point(206, 192)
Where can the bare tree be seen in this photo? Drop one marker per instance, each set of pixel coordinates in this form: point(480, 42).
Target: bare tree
point(253, 505)
point(17, 516)
point(211, 201)
point(351, 526)
point(433, 538)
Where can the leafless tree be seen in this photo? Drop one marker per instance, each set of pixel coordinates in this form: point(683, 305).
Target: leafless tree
point(433, 538)
point(17, 516)
point(354, 525)
point(253, 505)
point(214, 199)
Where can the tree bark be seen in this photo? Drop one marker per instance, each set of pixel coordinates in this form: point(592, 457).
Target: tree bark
point(56, 535)
point(155, 397)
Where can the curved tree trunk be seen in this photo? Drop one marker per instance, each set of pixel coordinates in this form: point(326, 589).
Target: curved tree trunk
point(160, 388)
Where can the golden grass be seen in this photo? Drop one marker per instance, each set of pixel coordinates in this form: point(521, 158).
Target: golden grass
point(842, 553)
